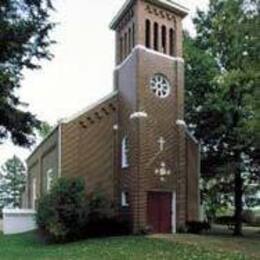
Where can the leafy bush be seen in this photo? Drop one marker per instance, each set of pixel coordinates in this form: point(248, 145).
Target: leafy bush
point(102, 220)
point(67, 214)
point(196, 227)
point(62, 214)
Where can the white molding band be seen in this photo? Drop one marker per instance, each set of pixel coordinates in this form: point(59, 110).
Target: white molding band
point(138, 115)
point(180, 122)
point(142, 47)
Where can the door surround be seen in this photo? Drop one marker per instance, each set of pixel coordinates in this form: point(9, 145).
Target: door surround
point(173, 207)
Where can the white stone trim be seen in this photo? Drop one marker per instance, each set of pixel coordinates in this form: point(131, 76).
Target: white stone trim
point(174, 212)
point(180, 122)
point(138, 115)
point(88, 108)
point(142, 47)
point(115, 127)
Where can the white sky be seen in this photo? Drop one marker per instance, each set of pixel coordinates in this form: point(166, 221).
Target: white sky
point(82, 70)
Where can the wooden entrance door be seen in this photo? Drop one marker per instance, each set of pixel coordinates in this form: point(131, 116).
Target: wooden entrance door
point(159, 212)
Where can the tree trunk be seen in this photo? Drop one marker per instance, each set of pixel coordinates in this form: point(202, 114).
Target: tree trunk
point(238, 203)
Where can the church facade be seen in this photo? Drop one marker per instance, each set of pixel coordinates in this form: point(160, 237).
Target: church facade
point(133, 145)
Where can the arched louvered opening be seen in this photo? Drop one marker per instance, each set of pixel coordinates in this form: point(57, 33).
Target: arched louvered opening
point(148, 33)
point(125, 45)
point(155, 37)
point(129, 40)
point(121, 50)
point(133, 35)
point(164, 39)
point(172, 42)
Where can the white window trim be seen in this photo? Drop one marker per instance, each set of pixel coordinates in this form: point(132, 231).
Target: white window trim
point(34, 195)
point(49, 179)
point(124, 202)
point(174, 222)
point(124, 153)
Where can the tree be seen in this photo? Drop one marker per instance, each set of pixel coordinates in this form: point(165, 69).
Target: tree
point(13, 180)
point(24, 40)
point(224, 119)
point(44, 130)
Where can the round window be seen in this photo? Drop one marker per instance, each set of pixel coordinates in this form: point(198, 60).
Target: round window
point(160, 86)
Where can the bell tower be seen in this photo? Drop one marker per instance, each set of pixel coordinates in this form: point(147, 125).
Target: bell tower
point(155, 24)
point(149, 77)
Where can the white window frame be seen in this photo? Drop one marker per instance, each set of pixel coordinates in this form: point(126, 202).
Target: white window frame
point(124, 153)
point(124, 202)
point(49, 179)
point(34, 192)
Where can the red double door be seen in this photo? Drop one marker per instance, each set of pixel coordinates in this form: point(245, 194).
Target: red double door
point(159, 212)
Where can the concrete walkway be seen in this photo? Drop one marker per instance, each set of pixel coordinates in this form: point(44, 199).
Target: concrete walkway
point(1, 225)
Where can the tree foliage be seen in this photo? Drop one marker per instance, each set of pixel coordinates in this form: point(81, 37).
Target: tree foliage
point(223, 113)
point(12, 182)
point(44, 130)
point(24, 41)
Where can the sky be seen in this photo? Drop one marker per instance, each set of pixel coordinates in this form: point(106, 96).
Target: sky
point(82, 70)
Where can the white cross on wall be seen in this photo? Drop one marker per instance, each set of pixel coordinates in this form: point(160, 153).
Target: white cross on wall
point(161, 142)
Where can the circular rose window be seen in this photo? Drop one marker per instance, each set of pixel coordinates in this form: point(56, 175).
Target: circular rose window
point(160, 86)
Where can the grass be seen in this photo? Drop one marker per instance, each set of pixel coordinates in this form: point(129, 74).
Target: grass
point(27, 246)
point(221, 239)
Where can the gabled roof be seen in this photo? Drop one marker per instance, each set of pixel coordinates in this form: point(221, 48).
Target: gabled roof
point(89, 108)
point(168, 4)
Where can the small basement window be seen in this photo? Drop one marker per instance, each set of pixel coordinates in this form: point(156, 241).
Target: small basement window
point(124, 199)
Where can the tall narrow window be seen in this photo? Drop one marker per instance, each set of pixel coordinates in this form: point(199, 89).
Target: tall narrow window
point(124, 153)
point(34, 194)
point(163, 39)
point(171, 42)
point(125, 45)
point(129, 40)
point(148, 34)
point(121, 55)
point(155, 36)
point(49, 176)
point(133, 36)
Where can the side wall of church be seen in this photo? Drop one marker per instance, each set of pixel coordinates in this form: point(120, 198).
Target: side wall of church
point(44, 158)
point(193, 178)
point(126, 82)
point(87, 146)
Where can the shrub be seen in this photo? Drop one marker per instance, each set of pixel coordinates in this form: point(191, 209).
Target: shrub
point(62, 213)
point(67, 214)
point(102, 220)
point(196, 227)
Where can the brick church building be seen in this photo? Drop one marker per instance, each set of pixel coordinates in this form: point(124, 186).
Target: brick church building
point(133, 145)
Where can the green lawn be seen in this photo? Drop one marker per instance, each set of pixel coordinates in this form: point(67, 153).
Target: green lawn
point(27, 246)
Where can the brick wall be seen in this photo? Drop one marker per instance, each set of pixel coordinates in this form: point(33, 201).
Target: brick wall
point(88, 147)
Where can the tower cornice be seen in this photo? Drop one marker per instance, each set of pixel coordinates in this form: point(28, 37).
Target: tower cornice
point(167, 4)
